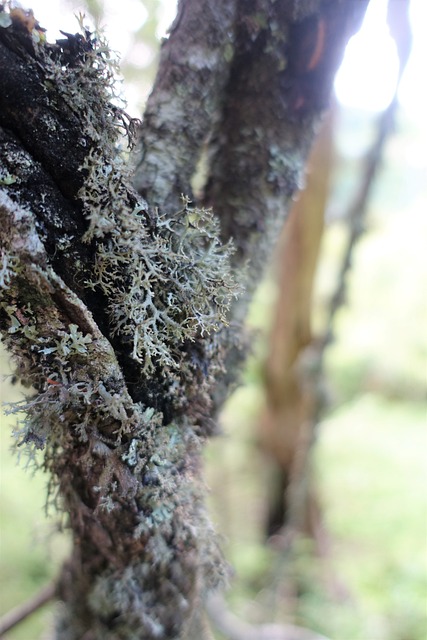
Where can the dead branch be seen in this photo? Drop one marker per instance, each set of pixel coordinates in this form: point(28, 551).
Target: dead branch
point(24, 610)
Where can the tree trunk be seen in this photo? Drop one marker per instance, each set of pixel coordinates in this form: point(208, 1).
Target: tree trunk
point(286, 426)
point(114, 309)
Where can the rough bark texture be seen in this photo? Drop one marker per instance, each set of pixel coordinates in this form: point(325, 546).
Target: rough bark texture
point(281, 57)
point(286, 54)
point(111, 309)
point(186, 99)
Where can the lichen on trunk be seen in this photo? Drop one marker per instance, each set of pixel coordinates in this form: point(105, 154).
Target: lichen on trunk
point(119, 348)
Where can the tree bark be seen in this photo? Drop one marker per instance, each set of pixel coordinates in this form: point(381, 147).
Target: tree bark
point(114, 310)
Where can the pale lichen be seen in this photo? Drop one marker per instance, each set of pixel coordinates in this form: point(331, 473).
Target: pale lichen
point(124, 470)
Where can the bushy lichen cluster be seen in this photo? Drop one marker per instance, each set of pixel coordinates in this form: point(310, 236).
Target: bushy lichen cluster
point(123, 475)
point(125, 472)
point(167, 278)
point(80, 71)
point(166, 282)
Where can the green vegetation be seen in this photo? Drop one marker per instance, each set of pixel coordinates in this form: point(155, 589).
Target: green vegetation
point(31, 548)
point(370, 469)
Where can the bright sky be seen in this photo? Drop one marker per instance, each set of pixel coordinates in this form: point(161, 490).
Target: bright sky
point(119, 16)
point(366, 79)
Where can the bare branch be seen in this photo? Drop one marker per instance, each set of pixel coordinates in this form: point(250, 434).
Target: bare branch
point(357, 212)
point(22, 611)
point(400, 28)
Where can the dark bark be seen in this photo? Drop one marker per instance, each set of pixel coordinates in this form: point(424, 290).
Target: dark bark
point(120, 454)
point(286, 55)
point(111, 309)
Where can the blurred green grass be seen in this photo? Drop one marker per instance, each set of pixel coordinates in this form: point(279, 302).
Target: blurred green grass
point(30, 549)
point(370, 468)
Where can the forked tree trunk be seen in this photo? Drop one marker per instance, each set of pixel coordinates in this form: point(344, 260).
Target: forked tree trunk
point(115, 310)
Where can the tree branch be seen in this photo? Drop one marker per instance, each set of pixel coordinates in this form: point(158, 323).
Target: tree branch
point(286, 56)
point(22, 611)
point(110, 315)
point(111, 309)
point(186, 99)
point(279, 86)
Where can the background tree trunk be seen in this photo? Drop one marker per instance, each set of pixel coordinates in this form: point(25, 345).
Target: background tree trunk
point(112, 307)
point(286, 426)
point(286, 429)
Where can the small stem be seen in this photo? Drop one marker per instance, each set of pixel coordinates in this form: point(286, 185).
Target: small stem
point(22, 611)
point(235, 629)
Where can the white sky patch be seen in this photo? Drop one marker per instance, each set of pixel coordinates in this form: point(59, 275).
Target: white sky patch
point(412, 90)
point(167, 17)
point(367, 77)
point(120, 20)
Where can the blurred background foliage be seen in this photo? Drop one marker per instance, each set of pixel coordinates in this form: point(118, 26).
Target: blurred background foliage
point(365, 577)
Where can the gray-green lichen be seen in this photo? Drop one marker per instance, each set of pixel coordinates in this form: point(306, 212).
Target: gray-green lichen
point(124, 472)
point(165, 284)
point(167, 279)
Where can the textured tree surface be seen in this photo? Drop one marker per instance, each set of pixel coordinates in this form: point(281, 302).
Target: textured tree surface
point(115, 311)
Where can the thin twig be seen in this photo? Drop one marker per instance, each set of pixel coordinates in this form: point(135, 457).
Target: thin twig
point(400, 29)
point(235, 629)
point(22, 611)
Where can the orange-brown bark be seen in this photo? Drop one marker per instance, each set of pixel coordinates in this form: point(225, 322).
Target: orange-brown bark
point(286, 425)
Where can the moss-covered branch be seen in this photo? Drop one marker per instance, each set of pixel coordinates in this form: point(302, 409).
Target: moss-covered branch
point(110, 315)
